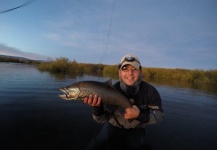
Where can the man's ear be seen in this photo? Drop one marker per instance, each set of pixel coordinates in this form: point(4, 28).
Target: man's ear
point(119, 72)
point(141, 73)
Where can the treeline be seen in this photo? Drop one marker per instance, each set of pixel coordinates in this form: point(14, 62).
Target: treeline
point(63, 65)
point(18, 60)
point(196, 76)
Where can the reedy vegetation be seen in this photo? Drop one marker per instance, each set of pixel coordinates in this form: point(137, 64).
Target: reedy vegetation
point(63, 65)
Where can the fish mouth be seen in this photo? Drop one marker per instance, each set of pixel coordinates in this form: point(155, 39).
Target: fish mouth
point(65, 95)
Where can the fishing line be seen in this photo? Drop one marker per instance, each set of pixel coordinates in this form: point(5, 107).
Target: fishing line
point(108, 33)
point(28, 2)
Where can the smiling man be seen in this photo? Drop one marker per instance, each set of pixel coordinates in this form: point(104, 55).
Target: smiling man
point(125, 130)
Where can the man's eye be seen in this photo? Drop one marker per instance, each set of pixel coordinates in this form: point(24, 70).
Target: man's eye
point(124, 68)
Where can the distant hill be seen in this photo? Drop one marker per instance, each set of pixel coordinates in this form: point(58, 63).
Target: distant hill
point(17, 59)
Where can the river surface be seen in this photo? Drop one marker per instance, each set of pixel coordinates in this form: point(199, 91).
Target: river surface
point(33, 117)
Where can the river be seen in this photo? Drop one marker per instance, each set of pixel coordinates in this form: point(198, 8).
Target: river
point(32, 116)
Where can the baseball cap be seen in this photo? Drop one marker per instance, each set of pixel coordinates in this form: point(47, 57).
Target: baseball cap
point(130, 59)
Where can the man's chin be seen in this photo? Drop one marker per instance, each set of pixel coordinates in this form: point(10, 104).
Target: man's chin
point(129, 82)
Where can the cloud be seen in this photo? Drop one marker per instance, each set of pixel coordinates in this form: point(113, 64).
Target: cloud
point(77, 40)
point(11, 51)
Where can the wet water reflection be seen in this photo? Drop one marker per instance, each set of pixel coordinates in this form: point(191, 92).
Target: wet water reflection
point(32, 116)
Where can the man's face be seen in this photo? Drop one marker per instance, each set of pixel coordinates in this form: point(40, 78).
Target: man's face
point(129, 74)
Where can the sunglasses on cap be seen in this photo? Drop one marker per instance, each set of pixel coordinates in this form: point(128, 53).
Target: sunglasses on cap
point(130, 59)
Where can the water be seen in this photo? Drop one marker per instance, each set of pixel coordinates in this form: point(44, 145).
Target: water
point(32, 116)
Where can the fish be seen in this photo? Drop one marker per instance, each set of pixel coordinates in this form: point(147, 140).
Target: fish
point(109, 95)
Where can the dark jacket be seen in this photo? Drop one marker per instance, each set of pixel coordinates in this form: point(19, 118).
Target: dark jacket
point(147, 99)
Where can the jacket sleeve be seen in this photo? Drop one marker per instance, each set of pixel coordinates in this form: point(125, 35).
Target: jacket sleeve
point(152, 112)
point(99, 114)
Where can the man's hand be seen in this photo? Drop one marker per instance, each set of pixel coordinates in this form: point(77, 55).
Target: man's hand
point(132, 113)
point(93, 100)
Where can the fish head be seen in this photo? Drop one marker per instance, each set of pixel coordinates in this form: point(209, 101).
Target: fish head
point(70, 93)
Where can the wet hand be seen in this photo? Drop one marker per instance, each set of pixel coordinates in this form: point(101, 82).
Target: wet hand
point(92, 100)
point(132, 113)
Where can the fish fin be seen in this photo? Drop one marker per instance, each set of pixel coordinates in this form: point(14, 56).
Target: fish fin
point(109, 82)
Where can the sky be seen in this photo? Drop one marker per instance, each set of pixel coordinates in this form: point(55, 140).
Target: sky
point(162, 33)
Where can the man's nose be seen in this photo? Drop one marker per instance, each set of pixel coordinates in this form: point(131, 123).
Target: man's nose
point(130, 71)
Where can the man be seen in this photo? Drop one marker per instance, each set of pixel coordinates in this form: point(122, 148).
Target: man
point(126, 130)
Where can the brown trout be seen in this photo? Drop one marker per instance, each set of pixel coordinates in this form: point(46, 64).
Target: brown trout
point(108, 94)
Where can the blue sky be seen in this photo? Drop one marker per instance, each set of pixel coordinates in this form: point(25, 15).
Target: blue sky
point(162, 33)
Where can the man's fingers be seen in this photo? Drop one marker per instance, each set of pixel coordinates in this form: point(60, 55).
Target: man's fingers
point(131, 113)
point(93, 100)
point(90, 99)
point(85, 100)
point(99, 101)
point(96, 101)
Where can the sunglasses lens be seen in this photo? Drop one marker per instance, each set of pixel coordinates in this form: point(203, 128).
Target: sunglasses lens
point(130, 59)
